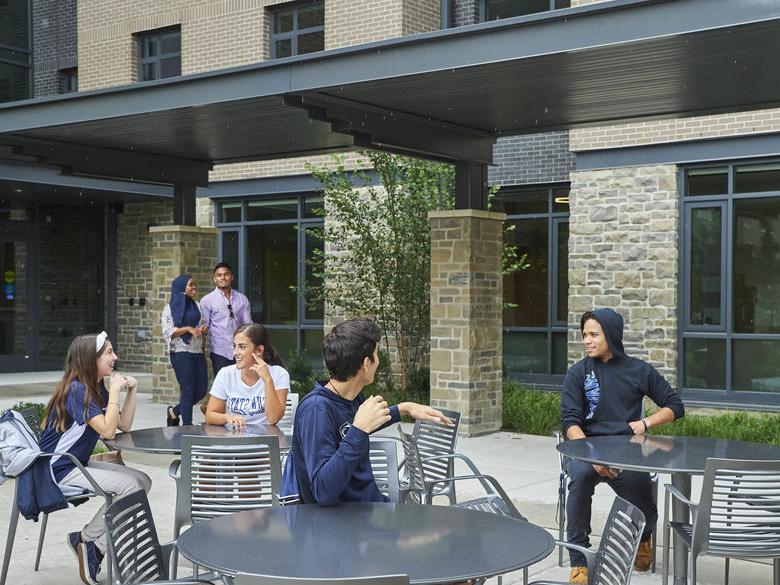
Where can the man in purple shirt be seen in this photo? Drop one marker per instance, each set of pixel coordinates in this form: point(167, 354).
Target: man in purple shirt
point(224, 310)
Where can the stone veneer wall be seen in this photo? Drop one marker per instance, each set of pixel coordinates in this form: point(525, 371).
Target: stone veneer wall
point(175, 250)
point(623, 254)
point(134, 281)
point(466, 313)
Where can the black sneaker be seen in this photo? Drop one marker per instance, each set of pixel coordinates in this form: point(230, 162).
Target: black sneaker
point(89, 562)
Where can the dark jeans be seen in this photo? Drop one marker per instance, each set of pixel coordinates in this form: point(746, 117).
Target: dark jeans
point(634, 486)
point(218, 362)
point(192, 376)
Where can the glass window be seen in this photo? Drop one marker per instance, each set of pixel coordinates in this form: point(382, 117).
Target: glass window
point(298, 30)
point(159, 54)
point(15, 51)
point(756, 271)
point(709, 181)
point(731, 336)
point(536, 297)
point(312, 348)
point(272, 209)
point(528, 289)
point(313, 206)
point(268, 248)
point(496, 9)
point(756, 365)
point(272, 272)
point(705, 255)
point(704, 363)
point(757, 178)
point(69, 80)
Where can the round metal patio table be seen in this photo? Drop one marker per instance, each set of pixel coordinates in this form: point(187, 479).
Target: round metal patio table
point(431, 544)
point(168, 439)
point(681, 457)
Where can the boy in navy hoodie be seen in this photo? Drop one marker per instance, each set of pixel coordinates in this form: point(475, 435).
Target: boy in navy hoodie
point(329, 460)
point(603, 395)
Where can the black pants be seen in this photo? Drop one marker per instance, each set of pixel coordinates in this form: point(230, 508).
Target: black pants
point(634, 486)
point(218, 362)
point(192, 376)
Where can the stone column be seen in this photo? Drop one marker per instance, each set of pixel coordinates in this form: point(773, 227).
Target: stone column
point(176, 249)
point(466, 313)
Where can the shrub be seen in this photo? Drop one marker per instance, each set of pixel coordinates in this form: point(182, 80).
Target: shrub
point(740, 426)
point(530, 411)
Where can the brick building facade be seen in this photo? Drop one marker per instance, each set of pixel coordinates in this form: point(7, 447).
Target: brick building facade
point(602, 214)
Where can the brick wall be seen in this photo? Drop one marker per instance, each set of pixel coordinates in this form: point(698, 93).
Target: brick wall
point(134, 281)
point(463, 12)
point(54, 35)
point(533, 158)
point(623, 254)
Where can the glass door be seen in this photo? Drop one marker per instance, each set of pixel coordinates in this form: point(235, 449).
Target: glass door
point(16, 304)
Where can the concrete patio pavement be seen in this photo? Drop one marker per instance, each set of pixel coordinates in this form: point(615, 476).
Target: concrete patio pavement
point(526, 465)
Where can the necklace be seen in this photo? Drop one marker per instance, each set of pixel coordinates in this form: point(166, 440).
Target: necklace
point(332, 385)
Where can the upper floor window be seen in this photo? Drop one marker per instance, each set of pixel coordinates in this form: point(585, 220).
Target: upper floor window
point(497, 9)
point(69, 80)
point(15, 53)
point(298, 29)
point(159, 54)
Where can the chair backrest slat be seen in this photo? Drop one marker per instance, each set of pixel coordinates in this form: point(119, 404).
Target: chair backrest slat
point(415, 472)
point(132, 540)
point(437, 439)
point(289, 411)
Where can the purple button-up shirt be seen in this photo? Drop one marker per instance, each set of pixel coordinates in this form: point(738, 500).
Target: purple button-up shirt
point(214, 307)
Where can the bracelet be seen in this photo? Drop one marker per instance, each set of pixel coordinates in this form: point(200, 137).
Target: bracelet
point(644, 422)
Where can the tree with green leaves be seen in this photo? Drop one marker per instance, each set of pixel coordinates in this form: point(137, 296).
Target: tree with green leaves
point(377, 254)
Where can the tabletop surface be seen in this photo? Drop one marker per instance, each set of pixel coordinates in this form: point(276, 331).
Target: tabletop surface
point(168, 439)
point(663, 454)
point(431, 544)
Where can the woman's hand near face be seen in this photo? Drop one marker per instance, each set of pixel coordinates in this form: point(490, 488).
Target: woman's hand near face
point(260, 368)
point(116, 382)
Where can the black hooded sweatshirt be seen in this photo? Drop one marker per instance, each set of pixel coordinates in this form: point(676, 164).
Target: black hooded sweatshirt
point(603, 397)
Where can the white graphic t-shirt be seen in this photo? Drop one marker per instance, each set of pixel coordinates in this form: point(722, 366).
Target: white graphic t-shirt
point(248, 401)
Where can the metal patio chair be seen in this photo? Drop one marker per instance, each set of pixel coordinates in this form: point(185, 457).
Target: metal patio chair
point(96, 491)
point(242, 579)
point(422, 489)
point(560, 512)
point(134, 549)
point(222, 475)
point(289, 411)
point(436, 439)
point(737, 516)
point(613, 562)
point(384, 465)
point(33, 420)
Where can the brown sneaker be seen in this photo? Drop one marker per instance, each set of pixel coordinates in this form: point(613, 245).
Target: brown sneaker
point(644, 556)
point(579, 575)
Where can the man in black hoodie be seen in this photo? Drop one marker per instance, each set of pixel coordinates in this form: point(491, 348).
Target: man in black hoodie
point(603, 395)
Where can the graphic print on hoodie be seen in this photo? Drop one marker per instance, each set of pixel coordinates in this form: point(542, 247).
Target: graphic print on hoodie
point(592, 393)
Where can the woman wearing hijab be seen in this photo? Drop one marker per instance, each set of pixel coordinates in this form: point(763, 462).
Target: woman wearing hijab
point(184, 330)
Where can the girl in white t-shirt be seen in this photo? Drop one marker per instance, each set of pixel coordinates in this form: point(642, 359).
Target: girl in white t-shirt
point(254, 390)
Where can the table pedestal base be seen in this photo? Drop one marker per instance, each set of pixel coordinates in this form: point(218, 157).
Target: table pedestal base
point(680, 513)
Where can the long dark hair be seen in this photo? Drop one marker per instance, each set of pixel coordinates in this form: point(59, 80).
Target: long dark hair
point(259, 335)
point(81, 365)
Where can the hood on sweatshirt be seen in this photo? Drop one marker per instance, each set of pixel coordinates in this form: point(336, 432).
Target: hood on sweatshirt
point(612, 324)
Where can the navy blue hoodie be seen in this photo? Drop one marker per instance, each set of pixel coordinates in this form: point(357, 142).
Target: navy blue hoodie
point(603, 397)
point(329, 461)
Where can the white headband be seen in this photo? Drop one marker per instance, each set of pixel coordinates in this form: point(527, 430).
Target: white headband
point(100, 341)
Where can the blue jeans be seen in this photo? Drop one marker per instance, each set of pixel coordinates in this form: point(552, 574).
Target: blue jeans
point(634, 486)
point(192, 376)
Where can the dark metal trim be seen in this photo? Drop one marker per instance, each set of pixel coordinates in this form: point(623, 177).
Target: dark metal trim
point(694, 151)
point(290, 184)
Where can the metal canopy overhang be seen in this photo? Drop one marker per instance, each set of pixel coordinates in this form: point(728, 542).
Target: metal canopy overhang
point(446, 95)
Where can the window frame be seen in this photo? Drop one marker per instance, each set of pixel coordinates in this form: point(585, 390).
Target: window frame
point(764, 400)
point(296, 32)
point(483, 10)
point(301, 223)
point(158, 35)
point(554, 220)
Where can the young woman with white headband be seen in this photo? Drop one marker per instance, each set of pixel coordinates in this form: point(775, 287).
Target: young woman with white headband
point(81, 411)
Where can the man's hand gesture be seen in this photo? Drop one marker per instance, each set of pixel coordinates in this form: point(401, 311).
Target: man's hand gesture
point(372, 414)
